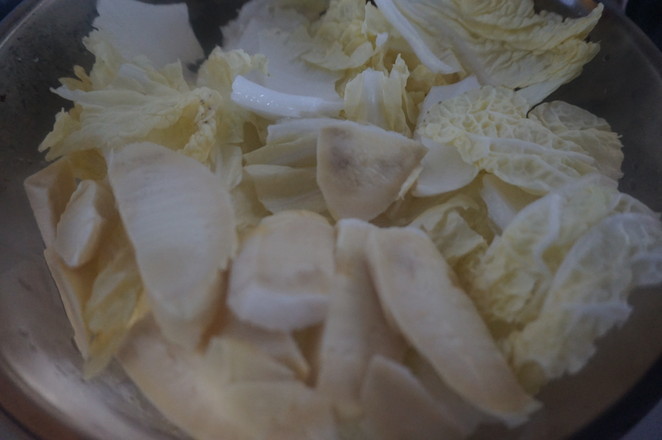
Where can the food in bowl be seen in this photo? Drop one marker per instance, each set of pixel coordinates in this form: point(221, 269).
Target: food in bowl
point(353, 221)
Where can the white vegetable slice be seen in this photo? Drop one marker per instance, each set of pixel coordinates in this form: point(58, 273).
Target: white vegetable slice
point(448, 227)
point(232, 361)
point(439, 94)
point(280, 188)
point(178, 383)
point(503, 200)
point(460, 414)
point(83, 222)
point(444, 170)
point(281, 346)
point(398, 407)
point(290, 74)
point(419, 293)
point(281, 278)
point(127, 22)
point(291, 142)
point(286, 410)
point(274, 105)
point(74, 286)
point(362, 169)
point(430, 49)
point(48, 192)
point(355, 329)
point(181, 224)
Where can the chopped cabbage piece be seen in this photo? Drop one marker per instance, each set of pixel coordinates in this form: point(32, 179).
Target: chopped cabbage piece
point(381, 99)
point(453, 226)
point(490, 128)
point(513, 278)
point(590, 132)
point(587, 296)
point(503, 45)
point(147, 106)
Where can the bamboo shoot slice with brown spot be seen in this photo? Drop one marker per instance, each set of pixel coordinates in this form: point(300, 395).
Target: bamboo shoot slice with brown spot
point(281, 278)
point(419, 292)
point(361, 169)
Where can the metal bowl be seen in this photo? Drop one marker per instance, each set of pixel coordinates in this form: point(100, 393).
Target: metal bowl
point(42, 392)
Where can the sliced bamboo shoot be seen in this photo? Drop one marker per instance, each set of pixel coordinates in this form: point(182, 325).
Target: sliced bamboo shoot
point(84, 222)
point(281, 278)
point(419, 292)
point(355, 328)
point(397, 406)
point(361, 169)
point(182, 226)
point(48, 192)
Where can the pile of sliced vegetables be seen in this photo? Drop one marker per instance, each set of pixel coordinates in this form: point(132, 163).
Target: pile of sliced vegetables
point(353, 221)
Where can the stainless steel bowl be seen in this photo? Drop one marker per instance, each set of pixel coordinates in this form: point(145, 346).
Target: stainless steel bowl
point(41, 389)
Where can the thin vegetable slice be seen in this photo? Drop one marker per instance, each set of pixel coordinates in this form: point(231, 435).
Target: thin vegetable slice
point(420, 295)
point(398, 407)
point(355, 328)
point(281, 278)
point(84, 222)
point(361, 169)
point(175, 213)
point(49, 191)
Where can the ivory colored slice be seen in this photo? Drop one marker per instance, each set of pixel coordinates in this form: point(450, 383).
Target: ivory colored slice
point(281, 346)
point(355, 329)
point(231, 361)
point(503, 200)
point(443, 170)
point(74, 286)
point(281, 411)
point(397, 406)
point(361, 169)
point(182, 226)
point(464, 417)
point(179, 384)
point(280, 188)
point(48, 192)
point(419, 293)
point(83, 222)
point(281, 278)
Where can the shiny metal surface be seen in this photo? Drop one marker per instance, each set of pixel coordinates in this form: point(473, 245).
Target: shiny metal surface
point(40, 381)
